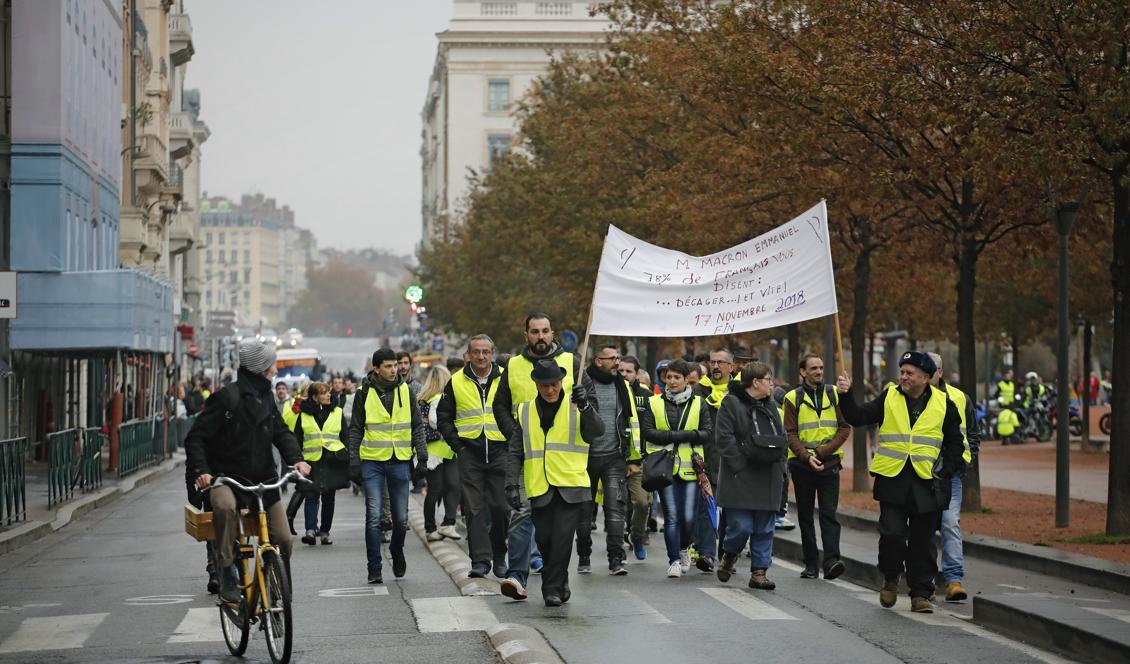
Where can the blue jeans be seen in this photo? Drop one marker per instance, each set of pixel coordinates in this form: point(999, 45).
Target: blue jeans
point(374, 475)
point(311, 507)
point(520, 544)
point(755, 526)
point(680, 502)
point(953, 562)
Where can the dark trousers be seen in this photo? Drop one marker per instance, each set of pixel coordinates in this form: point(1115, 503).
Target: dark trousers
point(484, 494)
point(906, 543)
point(327, 500)
point(554, 527)
point(443, 484)
point(609, 471)
point(810, 488)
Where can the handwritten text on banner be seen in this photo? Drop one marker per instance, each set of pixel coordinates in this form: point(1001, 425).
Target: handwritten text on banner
point(784, 276)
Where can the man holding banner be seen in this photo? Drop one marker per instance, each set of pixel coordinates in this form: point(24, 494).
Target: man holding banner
point(920, 448)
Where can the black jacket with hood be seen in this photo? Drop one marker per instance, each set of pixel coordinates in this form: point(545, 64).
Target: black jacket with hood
point(504, 401)
point(625, 406)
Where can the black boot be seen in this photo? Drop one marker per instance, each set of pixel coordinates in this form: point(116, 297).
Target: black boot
point(726, 567)
point(210, 567)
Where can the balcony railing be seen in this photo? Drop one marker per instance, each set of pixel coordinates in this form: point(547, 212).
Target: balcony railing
point(180, 39)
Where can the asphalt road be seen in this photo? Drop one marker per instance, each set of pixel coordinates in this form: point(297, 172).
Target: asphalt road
point(125, 584)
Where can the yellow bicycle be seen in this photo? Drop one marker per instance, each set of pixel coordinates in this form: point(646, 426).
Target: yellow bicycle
point(263, 580)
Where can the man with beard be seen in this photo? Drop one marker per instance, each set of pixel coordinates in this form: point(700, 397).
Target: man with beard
point(607, 458)
point(516, 388)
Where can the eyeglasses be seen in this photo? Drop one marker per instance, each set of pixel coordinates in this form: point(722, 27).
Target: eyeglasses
point(713, 362)
point(613, 358)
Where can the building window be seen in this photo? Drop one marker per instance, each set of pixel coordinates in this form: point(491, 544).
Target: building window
point(498, 95)
point(246, 256)
point(222, 274)
point(234, 255)
point(208, 256)
point(208, 238)
point(247, 275)
point(246, 297)
point(234, 277)
point(497, 146)
point(208, 298)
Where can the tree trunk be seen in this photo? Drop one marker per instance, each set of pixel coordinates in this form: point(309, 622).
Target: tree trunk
point(1118, 487)
point(1014, 339)
point(860, 304)
point(793, 359)
point(967, 353)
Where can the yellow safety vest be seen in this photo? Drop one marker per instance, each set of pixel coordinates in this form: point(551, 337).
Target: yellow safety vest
point(1006, 389)
point(1028, 394)
point(958, 398)
point(559, 457)
point(315, 439)
point(684, 467)
point(388, 435)
point(474, 411)
point(290, 418)
point(717, 392)
point(522, 387)
point(440, 448)
point(1007, 422)
point(899, 442)
point(814, 429)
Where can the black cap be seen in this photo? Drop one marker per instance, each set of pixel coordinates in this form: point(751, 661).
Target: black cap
point(383, 355)
point(920, 360)
point(547, 372)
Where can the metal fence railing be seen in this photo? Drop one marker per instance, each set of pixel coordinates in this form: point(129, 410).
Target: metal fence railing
point(61, 464)
point(141, 445)
point(90, 468)
point(13, 485)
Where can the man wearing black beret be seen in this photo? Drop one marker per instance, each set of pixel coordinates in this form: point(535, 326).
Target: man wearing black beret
point(920, 450)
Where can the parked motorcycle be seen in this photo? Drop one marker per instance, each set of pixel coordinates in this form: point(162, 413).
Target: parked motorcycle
point(1104, 424)
point(1074, 421)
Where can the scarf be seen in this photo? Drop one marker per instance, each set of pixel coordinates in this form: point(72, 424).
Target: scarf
point(681, 397)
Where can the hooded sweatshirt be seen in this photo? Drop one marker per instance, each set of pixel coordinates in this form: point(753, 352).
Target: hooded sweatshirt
point(388, 393)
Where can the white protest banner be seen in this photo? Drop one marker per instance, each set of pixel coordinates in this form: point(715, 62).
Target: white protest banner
point(782, 277)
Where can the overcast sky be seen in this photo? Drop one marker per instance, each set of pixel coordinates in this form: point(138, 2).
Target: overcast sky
point(318, 105)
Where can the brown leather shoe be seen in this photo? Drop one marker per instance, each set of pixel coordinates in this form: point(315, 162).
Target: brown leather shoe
point(921, 605)
point(955, 592)
point(759, 581)
point(889, 593)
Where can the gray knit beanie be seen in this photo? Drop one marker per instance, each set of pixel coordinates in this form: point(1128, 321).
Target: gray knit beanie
point(255, 356)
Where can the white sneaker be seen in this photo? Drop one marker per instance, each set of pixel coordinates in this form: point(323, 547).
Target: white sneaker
point(685, 561)
point(512, 589)
point(434, 536)
point(449, 532)
point(675, 570)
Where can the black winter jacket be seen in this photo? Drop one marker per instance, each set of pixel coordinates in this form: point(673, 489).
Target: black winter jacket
point(480, 447)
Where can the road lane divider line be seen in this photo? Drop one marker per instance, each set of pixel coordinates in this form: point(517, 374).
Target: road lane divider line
point(198, 625)
point(452, 614)
point(52, 633)
point(747, 605)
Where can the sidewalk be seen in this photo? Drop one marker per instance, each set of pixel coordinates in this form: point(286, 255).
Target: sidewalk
point(42, 520)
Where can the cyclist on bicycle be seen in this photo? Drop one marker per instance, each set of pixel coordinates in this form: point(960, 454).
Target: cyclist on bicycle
point(235, 435)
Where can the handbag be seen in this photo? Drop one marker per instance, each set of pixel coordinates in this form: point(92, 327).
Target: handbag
point(765, 449)
point(658, 469)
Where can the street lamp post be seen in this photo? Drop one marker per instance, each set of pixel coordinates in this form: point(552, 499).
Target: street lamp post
point(1065, 216)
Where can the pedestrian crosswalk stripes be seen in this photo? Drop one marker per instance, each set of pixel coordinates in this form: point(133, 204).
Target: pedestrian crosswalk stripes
point(52, 633)
point(199, 624)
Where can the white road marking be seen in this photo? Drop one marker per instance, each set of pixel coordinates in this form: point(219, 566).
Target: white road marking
point(53, 633)
point(648, 613)
point(746, 604)
point(1117, 614)
point(1011, 587)
point(363, 591)
point(839, 583)
point(159, 600)
point(452, 614)
point(198, 625)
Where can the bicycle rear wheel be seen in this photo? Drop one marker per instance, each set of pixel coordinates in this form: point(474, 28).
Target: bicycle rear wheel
point(235, 621)
point(277, 616)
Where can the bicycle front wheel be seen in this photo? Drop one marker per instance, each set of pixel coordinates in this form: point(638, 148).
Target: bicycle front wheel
point(277, 616)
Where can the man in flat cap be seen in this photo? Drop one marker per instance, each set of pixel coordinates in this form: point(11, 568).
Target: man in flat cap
point(549, 452)
point(920, 451)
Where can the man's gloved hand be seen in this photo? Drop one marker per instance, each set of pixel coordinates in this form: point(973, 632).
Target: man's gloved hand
point(420, 471)
point(580, 396)
point(355, 473)
point(514, 497)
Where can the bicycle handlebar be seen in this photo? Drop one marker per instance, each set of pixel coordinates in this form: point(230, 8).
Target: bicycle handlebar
point(259, 488)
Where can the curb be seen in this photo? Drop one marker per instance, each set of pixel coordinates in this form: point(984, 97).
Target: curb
point(1066, 637)
point(514, 643)
point(1039, 559)
point(32, 530)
